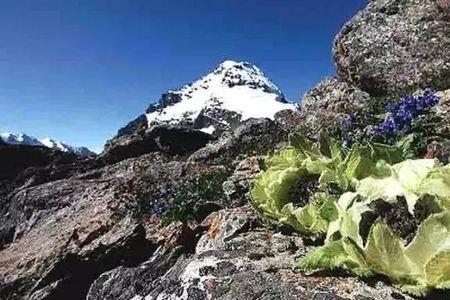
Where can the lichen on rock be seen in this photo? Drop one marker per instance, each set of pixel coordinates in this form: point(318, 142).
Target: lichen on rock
point(393, 45)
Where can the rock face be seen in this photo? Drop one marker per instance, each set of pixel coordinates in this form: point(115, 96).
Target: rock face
point(252, 137)
point(326, 106)
point(168, 139)
point(65, 222)
point(237, 186)
point(66, 232)
point(234, 259)
point(334, 96)
point(438, 147)
point(396, 44)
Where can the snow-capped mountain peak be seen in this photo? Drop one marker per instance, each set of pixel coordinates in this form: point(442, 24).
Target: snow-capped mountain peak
point(26, 140)
point(231, 93)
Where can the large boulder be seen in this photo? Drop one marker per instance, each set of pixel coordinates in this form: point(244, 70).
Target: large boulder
point(439, 145)
point(334, 96)
point(395, 44)
point(325, 108)
point(251, 137)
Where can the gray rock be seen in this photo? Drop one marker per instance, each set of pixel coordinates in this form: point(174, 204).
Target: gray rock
point(137, 126)
point(334, 96)
point(288, 119)
point(221, 119)
point(438, 146)
point(395, 44)
point(325, 107)
point(252, 137)
point(169, 98)
point(67, 232)
point(238, 185)
point(124, 283)
point(444, 106)
point(237, 261)
point(224, 225)
point(171, 140)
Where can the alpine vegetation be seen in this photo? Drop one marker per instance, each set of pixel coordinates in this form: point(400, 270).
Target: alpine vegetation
point(304, 181)
point(375, 211)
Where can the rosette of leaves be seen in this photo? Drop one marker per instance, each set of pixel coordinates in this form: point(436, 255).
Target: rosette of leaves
point(396, 223)
point(302, 181)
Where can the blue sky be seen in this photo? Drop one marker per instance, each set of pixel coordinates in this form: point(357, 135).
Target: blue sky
point(79, 70)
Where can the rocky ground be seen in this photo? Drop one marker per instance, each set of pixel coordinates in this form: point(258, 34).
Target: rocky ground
point(92, 232)
point(163, 212)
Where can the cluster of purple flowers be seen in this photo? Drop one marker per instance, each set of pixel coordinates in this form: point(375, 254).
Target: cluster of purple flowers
point(159, 208)
point(400, 115)
point(346, 125)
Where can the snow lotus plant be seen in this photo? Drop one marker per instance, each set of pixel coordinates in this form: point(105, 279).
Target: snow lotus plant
point(304, 180)
point(396, 223)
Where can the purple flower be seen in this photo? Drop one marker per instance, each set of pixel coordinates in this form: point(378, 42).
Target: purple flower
point(163, 191)
point(348, 142)
point(402, 114)
point(348, 122)
point(159, 208)
point(389, 125)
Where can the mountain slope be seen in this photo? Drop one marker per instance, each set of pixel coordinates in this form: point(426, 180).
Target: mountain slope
point(233, 92)
point(26, 140)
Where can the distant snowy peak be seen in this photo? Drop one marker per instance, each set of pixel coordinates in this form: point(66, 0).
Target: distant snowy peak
point(57, 145)
point(48, 142)
point(233, 92)
point(19, 139)
point(26, 140)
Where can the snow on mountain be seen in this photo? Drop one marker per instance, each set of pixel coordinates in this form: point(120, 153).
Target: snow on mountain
point(19, 139)
point(57, 145)
point(26, 140)
point(233, 92)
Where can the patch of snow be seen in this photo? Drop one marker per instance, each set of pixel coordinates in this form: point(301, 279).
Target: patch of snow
point(208, 130)
point(227, 64)
point(48, 142)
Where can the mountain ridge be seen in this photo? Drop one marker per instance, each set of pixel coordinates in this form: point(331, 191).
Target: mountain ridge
point(28, 140)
